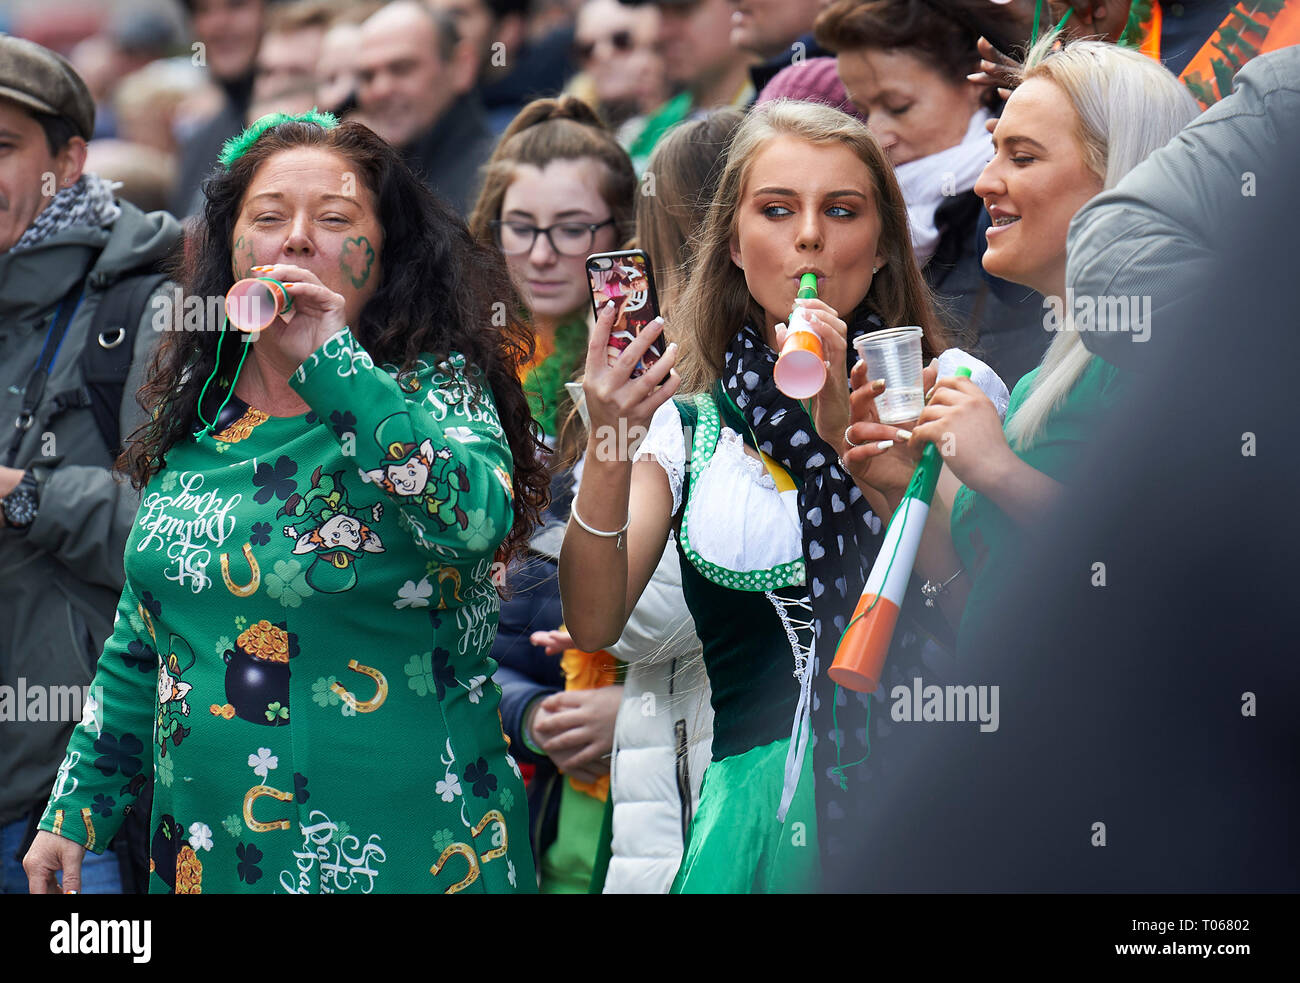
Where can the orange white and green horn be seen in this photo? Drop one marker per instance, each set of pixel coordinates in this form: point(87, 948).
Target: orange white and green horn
point(860, 656)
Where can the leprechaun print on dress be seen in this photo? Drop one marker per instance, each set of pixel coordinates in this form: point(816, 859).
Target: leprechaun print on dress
point(335, 535)
point(426, 476)
point(287, 618)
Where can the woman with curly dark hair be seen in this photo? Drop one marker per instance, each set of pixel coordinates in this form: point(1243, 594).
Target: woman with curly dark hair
point(301, 651)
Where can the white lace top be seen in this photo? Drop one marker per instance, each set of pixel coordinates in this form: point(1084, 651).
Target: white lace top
point(738, 518)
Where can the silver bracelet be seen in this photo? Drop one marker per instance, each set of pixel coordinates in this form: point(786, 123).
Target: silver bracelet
point(616, 535)
point(931, 590)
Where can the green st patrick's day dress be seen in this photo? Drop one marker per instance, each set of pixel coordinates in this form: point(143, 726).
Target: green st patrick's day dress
point(301, 649)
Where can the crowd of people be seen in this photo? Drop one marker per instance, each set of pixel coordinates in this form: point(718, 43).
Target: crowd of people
point(444, 585)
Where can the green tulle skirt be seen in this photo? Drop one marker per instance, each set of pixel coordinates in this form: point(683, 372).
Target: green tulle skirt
point(736, 845)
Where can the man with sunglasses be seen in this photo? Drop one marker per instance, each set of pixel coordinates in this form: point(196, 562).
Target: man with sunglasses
point(699, 61)
point(622, 73)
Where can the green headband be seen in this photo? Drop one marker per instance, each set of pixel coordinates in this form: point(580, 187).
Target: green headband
point(237, 146)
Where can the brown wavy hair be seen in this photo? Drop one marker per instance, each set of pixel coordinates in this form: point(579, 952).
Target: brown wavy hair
point(686, 165)
point(717, 300)
point(441, 291)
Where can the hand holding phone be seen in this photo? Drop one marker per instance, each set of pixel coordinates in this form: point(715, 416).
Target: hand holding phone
point(625, 279)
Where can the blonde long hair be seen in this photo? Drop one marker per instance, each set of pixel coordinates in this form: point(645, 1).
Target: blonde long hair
point(717, 300)
point(1128, 107)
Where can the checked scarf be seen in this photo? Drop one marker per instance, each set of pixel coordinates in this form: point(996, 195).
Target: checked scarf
point(841, 536)
point(89, 202)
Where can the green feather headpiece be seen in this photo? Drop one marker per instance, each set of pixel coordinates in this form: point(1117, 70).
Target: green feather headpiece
point(237, 146)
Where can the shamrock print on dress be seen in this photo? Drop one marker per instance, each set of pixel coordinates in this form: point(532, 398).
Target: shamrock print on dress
point(476, 848)
point(335, 534)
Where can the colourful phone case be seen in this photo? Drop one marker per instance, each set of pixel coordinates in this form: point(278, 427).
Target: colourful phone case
point(626, 278)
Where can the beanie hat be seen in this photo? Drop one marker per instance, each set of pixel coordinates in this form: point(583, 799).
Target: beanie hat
point(812, 80)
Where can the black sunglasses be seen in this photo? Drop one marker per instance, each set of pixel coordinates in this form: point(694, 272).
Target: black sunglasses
point(621, 40)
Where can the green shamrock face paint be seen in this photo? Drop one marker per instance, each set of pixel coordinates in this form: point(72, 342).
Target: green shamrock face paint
point(357, 260)
point(242, 258)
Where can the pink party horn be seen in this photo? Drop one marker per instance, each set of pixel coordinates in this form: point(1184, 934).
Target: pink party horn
point(801, 367)
point(252, 304)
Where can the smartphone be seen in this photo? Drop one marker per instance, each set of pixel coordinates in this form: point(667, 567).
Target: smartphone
point(625, 278)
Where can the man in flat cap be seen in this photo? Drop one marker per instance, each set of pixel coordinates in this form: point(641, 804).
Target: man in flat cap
point(78, 274)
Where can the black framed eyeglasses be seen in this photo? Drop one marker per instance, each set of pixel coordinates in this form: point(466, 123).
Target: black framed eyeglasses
point(566, 238)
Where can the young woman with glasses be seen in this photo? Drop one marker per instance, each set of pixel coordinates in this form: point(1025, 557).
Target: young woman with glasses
point(557, 188)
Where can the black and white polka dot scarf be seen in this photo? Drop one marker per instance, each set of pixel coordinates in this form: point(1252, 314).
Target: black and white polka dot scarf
point(841, 535)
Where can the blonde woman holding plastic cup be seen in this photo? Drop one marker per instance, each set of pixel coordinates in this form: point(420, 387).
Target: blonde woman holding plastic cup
point(1080, 120)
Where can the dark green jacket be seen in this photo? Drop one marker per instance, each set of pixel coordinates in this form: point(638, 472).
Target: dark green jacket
point(61, 577)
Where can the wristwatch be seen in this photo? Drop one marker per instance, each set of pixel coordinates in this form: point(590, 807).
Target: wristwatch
point(20, 505)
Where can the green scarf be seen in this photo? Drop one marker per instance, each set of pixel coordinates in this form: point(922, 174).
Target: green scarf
point(660, 122)
point(544, 382)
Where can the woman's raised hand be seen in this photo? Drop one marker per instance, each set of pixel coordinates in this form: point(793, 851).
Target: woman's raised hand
point(879, 456)
point(612, 395)
point(830, 407)
point(963, 423)
point(996, 70)
point(317, 312)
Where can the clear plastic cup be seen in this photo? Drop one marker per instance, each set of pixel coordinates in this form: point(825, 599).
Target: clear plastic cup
point(895, 356)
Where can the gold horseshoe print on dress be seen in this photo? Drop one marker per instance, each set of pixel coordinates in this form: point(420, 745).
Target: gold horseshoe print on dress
point(452, 574)
point(466, 851)
point(364, 706)
point(255, 576)
point(493, 816)
point(257, 792)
